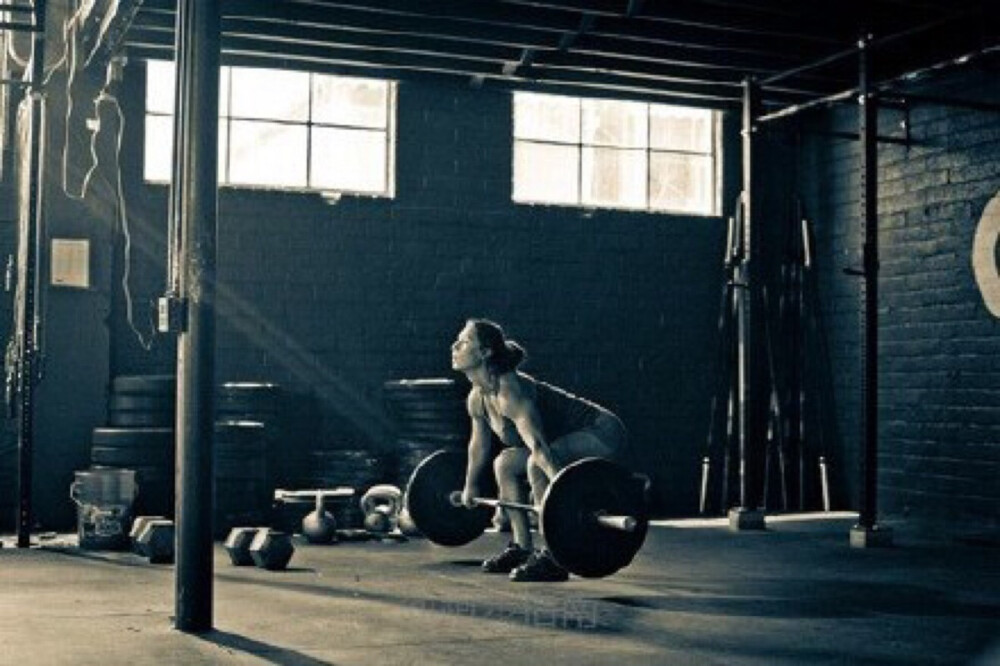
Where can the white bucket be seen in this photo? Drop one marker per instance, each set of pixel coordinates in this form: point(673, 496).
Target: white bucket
point(103, 497)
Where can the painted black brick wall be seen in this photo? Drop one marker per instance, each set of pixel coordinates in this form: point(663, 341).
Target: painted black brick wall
point(939, 416)
point(333, 299)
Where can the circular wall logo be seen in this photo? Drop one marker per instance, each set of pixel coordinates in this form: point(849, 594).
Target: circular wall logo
point(986, 255)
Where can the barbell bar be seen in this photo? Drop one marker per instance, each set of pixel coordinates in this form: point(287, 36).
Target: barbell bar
point(623, 523)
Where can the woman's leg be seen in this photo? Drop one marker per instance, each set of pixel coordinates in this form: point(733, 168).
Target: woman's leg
point(510, 468)
point(605, 439)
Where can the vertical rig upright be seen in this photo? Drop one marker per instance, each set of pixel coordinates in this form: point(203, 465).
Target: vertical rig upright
point(867, 532)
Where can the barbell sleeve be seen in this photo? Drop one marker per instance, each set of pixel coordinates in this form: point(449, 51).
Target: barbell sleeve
point(623, 523)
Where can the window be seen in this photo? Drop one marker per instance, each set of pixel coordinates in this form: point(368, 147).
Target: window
point(614, 154)
point(285, 130)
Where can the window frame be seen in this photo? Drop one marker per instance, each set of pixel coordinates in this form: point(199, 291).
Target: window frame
point(227, 119)
point(580, 146)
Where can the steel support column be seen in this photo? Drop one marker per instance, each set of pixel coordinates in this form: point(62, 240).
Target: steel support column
point(747, 515)
point(29, 251)
point(198, 23)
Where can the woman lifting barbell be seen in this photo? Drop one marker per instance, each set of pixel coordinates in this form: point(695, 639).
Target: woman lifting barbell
point(542, 428)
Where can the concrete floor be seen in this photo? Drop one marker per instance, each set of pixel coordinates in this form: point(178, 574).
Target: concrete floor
point(795, 594)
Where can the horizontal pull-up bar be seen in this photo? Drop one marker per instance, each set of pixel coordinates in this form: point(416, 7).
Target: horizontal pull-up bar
point(848, 52)
point(811, 104)
point(885, 88)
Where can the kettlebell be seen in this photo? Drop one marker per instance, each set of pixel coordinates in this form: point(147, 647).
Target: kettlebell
point(319, 526)
point(406, 524)
point(381, 506)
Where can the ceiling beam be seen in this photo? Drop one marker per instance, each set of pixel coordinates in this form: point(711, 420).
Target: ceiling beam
point(392, 51)
point(479, 16)
point(668, 48)
point(494, 81)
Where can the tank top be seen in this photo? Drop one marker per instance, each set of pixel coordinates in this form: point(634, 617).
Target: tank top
point(561, 412)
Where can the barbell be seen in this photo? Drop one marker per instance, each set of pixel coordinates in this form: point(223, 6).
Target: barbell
point(593, 515)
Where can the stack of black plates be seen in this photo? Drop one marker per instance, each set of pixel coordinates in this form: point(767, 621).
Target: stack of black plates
point(262, 403)
point(359, 469)
point(148, 451)
point(242, 491)
point(140, 436)
point(142, 401)
point(429, 414)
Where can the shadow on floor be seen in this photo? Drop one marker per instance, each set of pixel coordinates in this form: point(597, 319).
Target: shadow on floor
point(265, 651)
point(783, 598)
point(571, 613)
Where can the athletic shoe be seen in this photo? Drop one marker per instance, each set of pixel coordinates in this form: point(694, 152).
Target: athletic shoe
point(504, 562)
point(540, 568)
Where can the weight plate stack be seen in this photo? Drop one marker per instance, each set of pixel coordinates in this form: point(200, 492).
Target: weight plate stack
point(142, 401)
point(242, 490)
point(354, 468)
point(429, 415)
point(408, 455)
point(148, 451)
point(431, 410)
point(278, 411)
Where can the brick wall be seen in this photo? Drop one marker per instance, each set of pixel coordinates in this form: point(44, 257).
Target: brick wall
point(939, 416)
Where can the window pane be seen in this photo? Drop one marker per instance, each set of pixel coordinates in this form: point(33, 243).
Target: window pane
point(612, 123)
point(160, 86)
point(267, 154)
point(676, 128)
point(157, 162)
point(225, 76)
point(615, 178)
point(354, 102)
point(681, 183)
point(546, 173)
point(159, 145)
point(352, 160)
point(223, 150)
point(547, 117)
point(270, 94)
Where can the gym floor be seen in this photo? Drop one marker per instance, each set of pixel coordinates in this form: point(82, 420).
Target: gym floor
point(696, 594)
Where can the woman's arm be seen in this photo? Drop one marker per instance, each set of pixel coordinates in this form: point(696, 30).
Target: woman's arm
point(521, 409)
point(480, 443)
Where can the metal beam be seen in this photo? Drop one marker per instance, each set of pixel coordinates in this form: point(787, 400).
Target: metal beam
point(442, 38)
point(750, 20)
point(198, 44)
point(429, 16)
point(311, 55)
point(491, 80)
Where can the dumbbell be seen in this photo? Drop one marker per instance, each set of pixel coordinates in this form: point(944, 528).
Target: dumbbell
point(155, 541)
point(138, 525)
point(593, 515)
point(262, 546)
